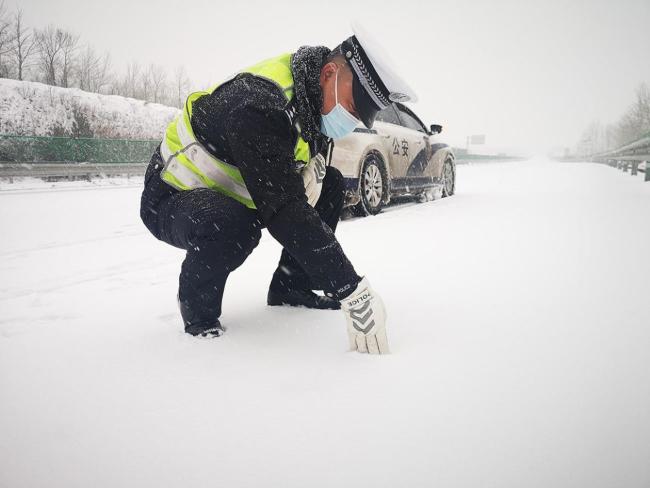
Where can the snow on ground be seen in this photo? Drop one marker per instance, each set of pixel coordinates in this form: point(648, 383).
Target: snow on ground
point(517, 316)
point(22, 184)
point(35, 109)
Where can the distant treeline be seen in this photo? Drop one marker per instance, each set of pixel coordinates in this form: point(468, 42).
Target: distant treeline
point(633, 125)
point(57, 57)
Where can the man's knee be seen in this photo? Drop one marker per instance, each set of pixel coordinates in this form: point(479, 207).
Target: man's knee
point(206, 217)
point(227, 243)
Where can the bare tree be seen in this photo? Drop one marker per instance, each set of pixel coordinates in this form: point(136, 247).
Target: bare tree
point(158, 79)
point(181, 86)
point(58, 59)
point(104, 76)
point(24, 45)
point(635, 123)
point(611, 134)
point(50, 43)
point(144, 86)
point(93, 71)
point(88, 67)
point(593, 139)
point(642, 108)
point(129, 87)
point(68, 56)
point(6, 40)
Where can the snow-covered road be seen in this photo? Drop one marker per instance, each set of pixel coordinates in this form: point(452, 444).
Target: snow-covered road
point(517, 315)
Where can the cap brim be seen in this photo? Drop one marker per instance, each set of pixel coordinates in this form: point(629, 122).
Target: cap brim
point(366, 108)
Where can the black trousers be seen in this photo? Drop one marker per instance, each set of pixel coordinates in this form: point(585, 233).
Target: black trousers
point(218, 234)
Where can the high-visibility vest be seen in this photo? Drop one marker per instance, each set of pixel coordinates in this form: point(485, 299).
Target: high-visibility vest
point(189, 165)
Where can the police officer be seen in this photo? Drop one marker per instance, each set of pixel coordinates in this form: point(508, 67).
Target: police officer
point(251, 153)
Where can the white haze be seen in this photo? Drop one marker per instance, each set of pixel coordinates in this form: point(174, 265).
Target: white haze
point(529, 74)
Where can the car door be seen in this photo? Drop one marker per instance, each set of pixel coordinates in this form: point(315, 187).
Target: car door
point(399, 142)
point(419, 153)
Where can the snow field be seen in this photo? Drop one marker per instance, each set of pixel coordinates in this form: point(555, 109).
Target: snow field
point(517, 318)
point(35, 109)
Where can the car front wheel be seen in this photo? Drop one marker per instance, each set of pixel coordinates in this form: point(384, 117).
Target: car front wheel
point(373, 186)
point(448, 179)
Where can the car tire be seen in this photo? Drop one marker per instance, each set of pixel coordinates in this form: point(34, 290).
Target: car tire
point(448, 178)
point(373, 185)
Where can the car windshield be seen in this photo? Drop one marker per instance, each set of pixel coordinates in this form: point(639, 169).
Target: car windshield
point(411, 122)
point(388, 115)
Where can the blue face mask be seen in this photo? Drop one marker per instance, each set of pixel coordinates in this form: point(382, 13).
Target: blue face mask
point(338, 122)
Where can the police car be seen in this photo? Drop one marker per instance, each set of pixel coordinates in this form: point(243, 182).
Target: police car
point(399, 156)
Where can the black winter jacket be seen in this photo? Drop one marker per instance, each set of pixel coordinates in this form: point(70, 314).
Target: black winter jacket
point(244, 123)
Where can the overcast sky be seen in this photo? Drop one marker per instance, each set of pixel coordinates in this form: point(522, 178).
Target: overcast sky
point(528, 74)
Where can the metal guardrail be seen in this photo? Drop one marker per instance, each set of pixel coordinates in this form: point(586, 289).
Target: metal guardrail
point(629, 156)
point(67, 158)
point(638, 150)
point(69, 171)
point(632, 167)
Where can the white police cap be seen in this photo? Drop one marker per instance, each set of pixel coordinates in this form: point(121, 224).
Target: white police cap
point(376, 84)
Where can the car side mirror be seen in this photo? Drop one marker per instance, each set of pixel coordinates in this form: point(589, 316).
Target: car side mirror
point(436, 129)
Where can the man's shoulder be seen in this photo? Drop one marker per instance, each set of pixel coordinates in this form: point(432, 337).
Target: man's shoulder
point(250, 90)
point(247, 94)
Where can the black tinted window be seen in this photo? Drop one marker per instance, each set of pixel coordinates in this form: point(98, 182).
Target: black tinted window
point(388, 115)
point(410, 122)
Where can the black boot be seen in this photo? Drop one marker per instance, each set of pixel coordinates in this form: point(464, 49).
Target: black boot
point(301, 298)
point(197, 326)
point(214, 330)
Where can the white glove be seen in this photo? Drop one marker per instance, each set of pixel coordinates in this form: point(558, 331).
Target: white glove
point(366, 317)
point(312, 176)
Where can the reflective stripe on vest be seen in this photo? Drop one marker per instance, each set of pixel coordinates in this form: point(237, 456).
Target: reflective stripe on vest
point(189, 165)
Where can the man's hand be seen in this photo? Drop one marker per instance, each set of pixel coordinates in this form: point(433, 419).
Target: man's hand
point(366, 317)
point(312, 176)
